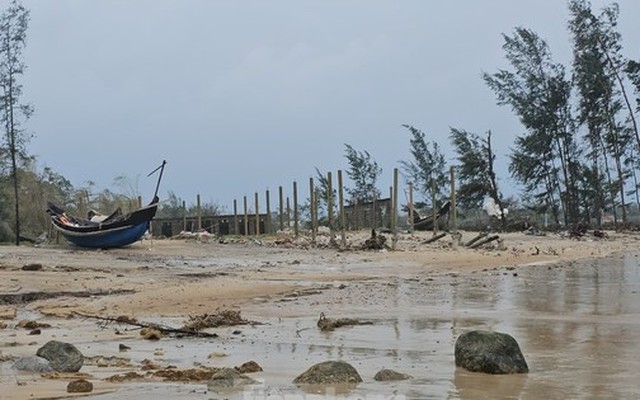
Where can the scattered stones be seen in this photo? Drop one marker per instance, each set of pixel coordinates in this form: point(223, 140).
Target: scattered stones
point(329, 372)
point(28, 324)
point(129, 376)
point(32, 267)
point(185, 375)
point(32, 364)
point(7, 313)
point(80, 386)
point(489, 352)
point(248, 367)
point(229, 378)
point(385, 375)
point(107, 361)
point(63, 357)
point(150, 334)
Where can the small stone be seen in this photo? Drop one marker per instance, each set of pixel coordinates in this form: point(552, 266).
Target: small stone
point(385, 375)
point(123, 347)
point(32, 267)
point(228, 378)
point(249, 367)
point(329, 372)
point(34, 332)
point(32, 364)
point(80, 386)
point(150, 334)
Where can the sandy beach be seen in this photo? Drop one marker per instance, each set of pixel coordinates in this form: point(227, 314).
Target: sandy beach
point(419, 298)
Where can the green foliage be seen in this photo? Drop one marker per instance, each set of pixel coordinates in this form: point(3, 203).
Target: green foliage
point(475, 172)
point(14, 22)
point(427, 167)
point(364, 173)
point(538, 92)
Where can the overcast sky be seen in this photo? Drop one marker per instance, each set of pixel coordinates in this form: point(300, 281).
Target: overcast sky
point(244, 96)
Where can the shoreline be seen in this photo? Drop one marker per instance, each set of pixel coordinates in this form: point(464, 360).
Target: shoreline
point(279, 280)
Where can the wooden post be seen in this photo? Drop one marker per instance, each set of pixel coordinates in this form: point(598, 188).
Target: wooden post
point(257, 227)
point(184, 216)
point(288, 213)
point(391, 208)
point(295, 207)
point(312, 205)
point(267, 221)
point(343, 236)
point(433, 206)
point(246, 217)
point(199, 212)
point(281, 208)
point(394, 213)
point(454, 216)
point(374, 209)
point(411, 208)
point(235, 217)
point(330, 203)
point(139, 201)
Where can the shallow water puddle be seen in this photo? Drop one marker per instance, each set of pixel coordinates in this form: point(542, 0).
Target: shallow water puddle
point(578, 327)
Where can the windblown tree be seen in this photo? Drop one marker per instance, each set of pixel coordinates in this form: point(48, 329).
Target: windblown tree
point(476, 172)
point(597, 66)
point(364, 173)
point(14, 22)
point(545, 158)
point(427, 169)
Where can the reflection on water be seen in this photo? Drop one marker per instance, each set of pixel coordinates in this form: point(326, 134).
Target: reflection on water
point(578, 326)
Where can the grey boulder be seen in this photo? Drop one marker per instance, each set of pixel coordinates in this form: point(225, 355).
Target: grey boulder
point(489, 352)
point(63, 357)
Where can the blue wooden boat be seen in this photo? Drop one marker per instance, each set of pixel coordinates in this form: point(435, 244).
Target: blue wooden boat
point(116, 230)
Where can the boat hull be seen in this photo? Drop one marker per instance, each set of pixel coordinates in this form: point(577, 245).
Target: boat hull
point(106, 239)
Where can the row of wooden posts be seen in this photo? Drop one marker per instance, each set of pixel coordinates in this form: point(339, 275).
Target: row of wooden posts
point(330, 208)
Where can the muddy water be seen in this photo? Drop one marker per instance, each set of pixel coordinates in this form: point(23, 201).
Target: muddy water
point(578, 326)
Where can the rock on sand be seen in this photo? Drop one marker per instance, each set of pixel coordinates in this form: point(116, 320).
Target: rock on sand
point(63, 357)
point(489, 352)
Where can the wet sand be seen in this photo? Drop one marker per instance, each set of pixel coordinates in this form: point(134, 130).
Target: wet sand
point(571, 304)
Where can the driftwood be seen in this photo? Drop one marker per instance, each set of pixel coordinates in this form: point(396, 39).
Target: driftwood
point(434, 238)
point(149, 325)
point(327, 324)
point(475, 239)
point(484, 241)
